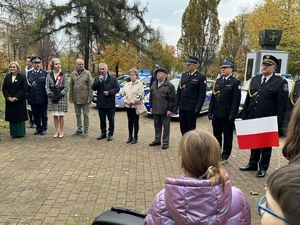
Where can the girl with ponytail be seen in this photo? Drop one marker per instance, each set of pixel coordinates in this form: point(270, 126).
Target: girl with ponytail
point(203, 194)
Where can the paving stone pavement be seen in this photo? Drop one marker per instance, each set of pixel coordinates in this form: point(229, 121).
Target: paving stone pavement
point(71, 180)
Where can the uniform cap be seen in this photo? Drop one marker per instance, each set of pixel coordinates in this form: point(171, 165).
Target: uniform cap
point(35, 59)
point(192, 60)
point(227, 64)
point(271, 60)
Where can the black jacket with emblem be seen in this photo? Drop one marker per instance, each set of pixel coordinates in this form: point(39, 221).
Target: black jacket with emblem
point(191, 92)
point(111, 85)
point(226, 98)
point(267, 100)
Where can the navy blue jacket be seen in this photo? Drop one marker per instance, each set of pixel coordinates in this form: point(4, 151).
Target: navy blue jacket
point(36, 87)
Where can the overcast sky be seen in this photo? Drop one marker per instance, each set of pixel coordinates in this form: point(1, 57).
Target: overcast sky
point(166, 14)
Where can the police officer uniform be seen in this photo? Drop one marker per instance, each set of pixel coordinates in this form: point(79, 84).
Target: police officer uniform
point(37, 97)
point(223, 109)
point(294, 95)
point(267, 96)
point(190, 97)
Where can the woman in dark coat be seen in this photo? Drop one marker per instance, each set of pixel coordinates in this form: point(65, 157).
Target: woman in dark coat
point(14, 90)
point(57, 89)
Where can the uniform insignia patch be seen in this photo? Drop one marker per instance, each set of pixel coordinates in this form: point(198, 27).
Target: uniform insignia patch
point(286, 87)
point(239, 87)
point(204, 81)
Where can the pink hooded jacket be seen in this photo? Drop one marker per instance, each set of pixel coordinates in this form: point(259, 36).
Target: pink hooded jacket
point(190, 201)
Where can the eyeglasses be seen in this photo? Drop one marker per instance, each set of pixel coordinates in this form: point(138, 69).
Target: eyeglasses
point(262, 210)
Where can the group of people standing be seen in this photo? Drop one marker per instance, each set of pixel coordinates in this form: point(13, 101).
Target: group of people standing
point(40, 91)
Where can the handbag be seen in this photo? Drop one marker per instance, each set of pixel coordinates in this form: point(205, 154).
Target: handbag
point(140, 109)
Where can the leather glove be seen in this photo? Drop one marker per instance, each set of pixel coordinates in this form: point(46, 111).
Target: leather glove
point(209, 115)
point(175, 110)
point(54, 99)
point(196, 112)
point(231, 119)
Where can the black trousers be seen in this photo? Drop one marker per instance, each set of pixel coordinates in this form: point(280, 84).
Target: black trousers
point(110, 114)
point(223, 126)
point(261, 156)
point(133, 122)
point(187, 121)
point(39, 112)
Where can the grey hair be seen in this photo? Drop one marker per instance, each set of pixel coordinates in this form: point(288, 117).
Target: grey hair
point(52, 62)
point(103, 64)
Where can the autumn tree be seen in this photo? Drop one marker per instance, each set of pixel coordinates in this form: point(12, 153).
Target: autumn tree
point(163, 55)
point(118, 57)
point(20, 17)
point(278, 14)
point(199, 31)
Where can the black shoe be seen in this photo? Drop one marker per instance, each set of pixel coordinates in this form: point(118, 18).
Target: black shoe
point(134, 140)
point(129, 140)
point(43, 132)
point(261, 173)
point(36, 132)
point(248, 168)
point(164, 146)
point(153, 143)
point(110, 137)
point(102, 136)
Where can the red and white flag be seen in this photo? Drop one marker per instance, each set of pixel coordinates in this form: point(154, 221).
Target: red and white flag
point(257, 133)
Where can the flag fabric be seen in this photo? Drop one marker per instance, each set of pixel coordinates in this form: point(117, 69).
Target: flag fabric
point(257, 133)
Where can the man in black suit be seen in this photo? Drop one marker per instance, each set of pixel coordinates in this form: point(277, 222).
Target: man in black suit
point(107, 87)
point(190, 96)
point(267, 96)
point(224, 106)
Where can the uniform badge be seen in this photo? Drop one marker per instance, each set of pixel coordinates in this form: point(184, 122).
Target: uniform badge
point(286, 87)
point(239, 87)
point(204, 81)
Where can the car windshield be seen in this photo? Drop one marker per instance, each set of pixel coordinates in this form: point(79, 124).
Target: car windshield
point(122, 80)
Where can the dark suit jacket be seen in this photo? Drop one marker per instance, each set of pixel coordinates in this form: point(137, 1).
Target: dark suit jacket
point(226, 103)
point(191, 92)
point(111, 85)
point(270, 100)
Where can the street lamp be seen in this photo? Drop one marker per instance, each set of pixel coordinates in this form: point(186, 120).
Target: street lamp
point(86, 21)
point(15, 48)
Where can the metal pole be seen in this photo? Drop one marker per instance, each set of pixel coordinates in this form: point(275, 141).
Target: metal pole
point(86, 44)
point(14, 51)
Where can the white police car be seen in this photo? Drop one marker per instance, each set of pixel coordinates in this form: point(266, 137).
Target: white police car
point(175, 82)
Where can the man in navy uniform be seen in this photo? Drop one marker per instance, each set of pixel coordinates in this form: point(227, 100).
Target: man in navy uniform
point(190, 96)
point(267, 96)
point(224, 106)
point(37, 96)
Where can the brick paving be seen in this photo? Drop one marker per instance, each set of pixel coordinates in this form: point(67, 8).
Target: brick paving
point(71, 180)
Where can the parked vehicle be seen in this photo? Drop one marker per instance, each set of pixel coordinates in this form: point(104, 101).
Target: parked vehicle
point(175, 82)
point(122, 81)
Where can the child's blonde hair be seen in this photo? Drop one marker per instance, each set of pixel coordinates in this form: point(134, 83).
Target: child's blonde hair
point(200, 150)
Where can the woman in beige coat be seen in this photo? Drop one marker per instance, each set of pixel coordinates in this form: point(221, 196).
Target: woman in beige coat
point(133, 95)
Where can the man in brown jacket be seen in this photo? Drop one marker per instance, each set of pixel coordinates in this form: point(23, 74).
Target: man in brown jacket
point(81, 95)
point(162, 99)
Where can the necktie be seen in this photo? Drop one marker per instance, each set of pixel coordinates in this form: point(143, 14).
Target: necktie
point(264, 81)
point(224, 80)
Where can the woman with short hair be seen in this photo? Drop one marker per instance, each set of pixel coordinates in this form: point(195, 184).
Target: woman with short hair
point(57, 89)
point(133, 95)
point(14, 89)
